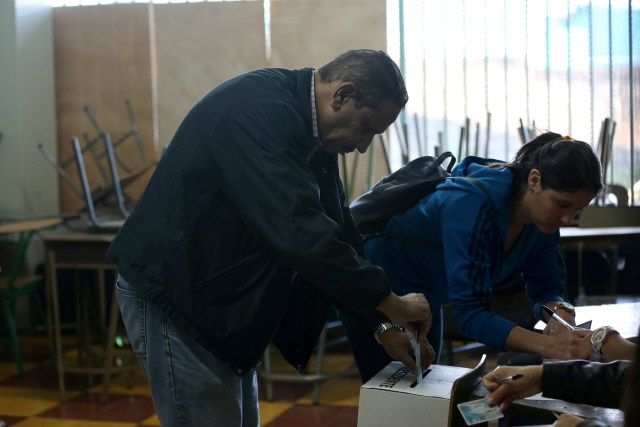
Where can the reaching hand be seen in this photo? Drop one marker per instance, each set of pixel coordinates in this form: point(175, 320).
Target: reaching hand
point(565, 344)
point(503, 394)
point(553, 326)
point(411, 309)
point(398, 346)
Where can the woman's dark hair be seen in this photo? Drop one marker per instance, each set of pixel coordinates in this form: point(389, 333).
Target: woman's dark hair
point(378, 78)
point(565, 164)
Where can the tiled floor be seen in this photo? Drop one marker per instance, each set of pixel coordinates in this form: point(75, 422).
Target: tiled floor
point(33, 400)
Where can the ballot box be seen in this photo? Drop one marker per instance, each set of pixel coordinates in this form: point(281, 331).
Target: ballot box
point(394, 398)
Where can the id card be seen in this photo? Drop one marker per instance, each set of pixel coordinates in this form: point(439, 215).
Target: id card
point(479, 411)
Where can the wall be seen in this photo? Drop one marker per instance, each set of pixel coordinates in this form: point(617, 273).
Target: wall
point(27, 109)
point(102, 59)
point(164, 57)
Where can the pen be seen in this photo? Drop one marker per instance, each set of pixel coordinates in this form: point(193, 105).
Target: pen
point(558, 318)
point(510, 378)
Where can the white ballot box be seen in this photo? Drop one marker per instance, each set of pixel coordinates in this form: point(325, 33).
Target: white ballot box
point(392, 397)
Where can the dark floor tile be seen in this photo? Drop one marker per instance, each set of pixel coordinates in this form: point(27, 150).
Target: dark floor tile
point(317, 416)
point(10, 421)
point(119, 408)
point(283, 390)
point(45, 376)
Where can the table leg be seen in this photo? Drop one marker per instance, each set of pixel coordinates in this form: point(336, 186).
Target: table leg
point(53, 304)
point(108, 347)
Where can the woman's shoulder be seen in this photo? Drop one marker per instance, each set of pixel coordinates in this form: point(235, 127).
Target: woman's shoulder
point(482, 181)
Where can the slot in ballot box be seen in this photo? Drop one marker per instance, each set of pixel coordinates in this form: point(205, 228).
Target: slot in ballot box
point(392, 397)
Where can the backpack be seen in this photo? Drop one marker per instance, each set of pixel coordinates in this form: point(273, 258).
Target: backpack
point(398, 192)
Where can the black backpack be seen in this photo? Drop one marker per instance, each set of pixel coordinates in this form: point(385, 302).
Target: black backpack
point(399, 191)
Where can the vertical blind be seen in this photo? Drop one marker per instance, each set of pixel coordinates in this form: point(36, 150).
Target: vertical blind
point(477, 71)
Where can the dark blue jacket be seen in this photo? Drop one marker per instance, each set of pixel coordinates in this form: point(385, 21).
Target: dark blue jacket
point(233, 209)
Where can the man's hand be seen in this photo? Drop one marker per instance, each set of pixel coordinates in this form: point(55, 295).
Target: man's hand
point(397, 345)
point(503, 394)
point(408, 310)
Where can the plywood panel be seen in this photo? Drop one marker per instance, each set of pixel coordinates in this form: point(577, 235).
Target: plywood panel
point(200, 45)
point(102, 58)
point(311, 32)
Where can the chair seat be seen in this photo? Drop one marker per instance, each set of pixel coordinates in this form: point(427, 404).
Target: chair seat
point(22, 285)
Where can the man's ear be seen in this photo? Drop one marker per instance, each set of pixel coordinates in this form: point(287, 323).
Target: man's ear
point(341, 95)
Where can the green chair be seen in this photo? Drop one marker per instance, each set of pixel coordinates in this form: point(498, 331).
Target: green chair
point(15, 285)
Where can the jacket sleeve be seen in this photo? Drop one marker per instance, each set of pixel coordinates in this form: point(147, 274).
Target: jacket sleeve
point(591, 383)
point(471, 242)
point(545, 275)
point(263, 170)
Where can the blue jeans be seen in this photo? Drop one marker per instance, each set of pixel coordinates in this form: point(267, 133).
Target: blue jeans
point(189, 386)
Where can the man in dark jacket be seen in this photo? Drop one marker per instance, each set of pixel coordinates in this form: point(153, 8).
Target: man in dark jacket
point(243, 236)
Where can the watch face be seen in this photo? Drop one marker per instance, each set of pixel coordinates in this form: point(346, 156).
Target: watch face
point(598, 335)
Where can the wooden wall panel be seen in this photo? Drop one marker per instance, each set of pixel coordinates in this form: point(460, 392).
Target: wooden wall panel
point(310, 33)
point(102, 57)
point(200, 45)
point(165, 57)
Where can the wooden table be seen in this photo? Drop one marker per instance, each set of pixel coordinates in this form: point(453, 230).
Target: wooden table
point(607, 238)
point(80, 250)
point(28, 225)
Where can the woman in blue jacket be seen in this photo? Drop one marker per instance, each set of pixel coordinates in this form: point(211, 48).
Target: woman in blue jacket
point(487, 232)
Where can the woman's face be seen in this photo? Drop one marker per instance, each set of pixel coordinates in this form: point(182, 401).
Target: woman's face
point(550, 209)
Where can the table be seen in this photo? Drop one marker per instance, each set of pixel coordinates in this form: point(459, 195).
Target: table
point(28, 225)
point(625, 317)
point(576, 238)
point(81, 250)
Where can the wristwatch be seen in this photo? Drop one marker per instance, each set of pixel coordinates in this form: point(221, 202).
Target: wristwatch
point(385, 326)
point(565, 306)
point(598, 338)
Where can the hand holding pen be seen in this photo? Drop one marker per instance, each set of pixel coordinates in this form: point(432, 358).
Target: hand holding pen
point(559, 319)
point(507, 383)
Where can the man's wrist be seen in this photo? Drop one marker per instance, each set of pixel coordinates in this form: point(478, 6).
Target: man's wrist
point(383, 327)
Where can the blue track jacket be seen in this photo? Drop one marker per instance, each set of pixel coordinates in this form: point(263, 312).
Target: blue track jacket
point(468, 262)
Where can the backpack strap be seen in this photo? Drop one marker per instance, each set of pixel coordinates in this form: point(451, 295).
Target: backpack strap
point(421, 242)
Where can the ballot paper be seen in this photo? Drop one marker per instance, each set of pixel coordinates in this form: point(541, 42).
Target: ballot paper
point(416, 352)
point(479, 411)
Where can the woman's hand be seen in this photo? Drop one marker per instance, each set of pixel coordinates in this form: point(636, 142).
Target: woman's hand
point(566, 344)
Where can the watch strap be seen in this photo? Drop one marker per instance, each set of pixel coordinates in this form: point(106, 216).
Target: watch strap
point(566, 307)
point(601, 334)
point(385, 326)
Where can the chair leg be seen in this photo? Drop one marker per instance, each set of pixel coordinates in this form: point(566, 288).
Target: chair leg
point(319, 363)
point(13, 335)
